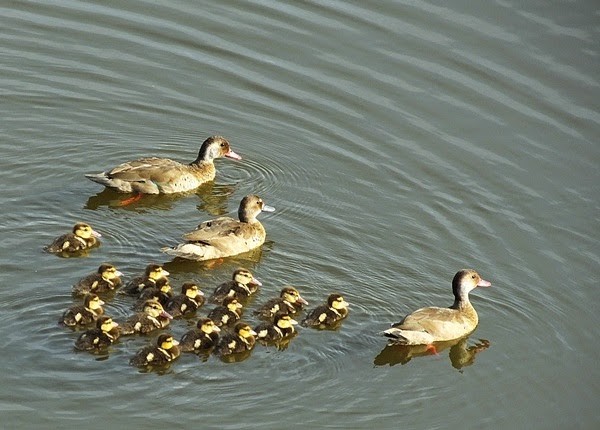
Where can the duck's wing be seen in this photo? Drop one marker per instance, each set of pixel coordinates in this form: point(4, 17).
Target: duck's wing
point(213, 229)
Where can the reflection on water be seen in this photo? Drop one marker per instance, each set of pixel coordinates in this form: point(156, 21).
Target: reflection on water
point(460, 354)
point(213, 199)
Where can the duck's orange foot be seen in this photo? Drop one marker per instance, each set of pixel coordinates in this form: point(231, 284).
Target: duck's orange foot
point(211, 264)
point(131, 200)
point(431, 348)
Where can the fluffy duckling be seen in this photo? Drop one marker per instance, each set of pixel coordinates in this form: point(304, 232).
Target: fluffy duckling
point(99, 338)
point(226, 314)
point(82, 237)
point(282, 327)
point(106, 279)
point(84, 314)
point(225, 236)
point(326, 315)
point(190, 299)
point(152, 317)
point(165, 351)
point(164, 176)
point(161, 292)
point(152, 273)
point(242, 339)
point(289, 302)
point(242, 285)
point(201, 339)
point(432, 324)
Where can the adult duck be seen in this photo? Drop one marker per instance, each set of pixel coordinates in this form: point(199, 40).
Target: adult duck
point(153, 175)
point(225, 236)
point(428, 325)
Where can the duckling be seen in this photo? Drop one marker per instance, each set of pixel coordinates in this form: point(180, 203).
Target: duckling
point(99, 338)
point(152, 273)
point(241, 340)
point(190, 299)
point(83, 314)
point(242, 285)
point(225, 236)
point(106, 279)
point(165, 351)
point(327, 315)
point(82, 237)
point(164, 176)
point(281, 327)
point(432, 324)
point(161, 292)
point(201, 339)
point(289, 302)
point(226, 314)
point(151, 318)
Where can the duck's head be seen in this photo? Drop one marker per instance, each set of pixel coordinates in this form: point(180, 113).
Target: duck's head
point(155, 272)
point(232, 304)
point(291, 295)
point(92, 301)
point(466, 280)
point(207, 326)
point(106, 324)
point(109, 272)
point(284, 321)
point(166, 341)
point(155, 309)
point(245, 277)
point(164, 285)
point(216, 147)
point(191, 290)
point(251, 206)
point(244, 330)
point(337, 302)
point(85, 231)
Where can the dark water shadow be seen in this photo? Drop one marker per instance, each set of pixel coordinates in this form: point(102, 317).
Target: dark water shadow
point(213, 199)
point(461, 354)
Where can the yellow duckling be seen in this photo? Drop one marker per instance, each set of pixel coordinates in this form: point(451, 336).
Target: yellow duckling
point(165, 351)
point(152, 317)
point(106, 279)
point(100, 338)
point(242, 285)
point(327, 315)
point(82, 237)
point(84, 314)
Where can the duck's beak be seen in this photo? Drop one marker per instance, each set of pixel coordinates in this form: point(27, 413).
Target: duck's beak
point(267, 208)
point(165, 314)
point(256, 282)
point(175, 342)
point(96, 234)
point(233, 155)
point(293, 322)
point(484, 283)
point(216, 329)
point(301, 300)
point(117, 273)
point(165, 273)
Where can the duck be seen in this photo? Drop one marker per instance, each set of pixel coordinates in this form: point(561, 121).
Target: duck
point(242, 339)
point(152, 317)
point(227, 313)
point(82, 237)
point(161, 292)
point(152, 273)
point(84, 314)
point(328, 314)
point(242, 285)
point(164, 351)
point(153, 175)
point(188, 302)
point(289, 302)
point(225, 237)
point(201, 339)
point(99, 338)
point(280, 328)
point(434, 324)
point(106, 279)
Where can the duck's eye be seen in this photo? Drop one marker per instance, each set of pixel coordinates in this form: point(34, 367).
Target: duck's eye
point(472, 276)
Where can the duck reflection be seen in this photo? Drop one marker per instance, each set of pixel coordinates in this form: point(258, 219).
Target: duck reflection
point(213, 199)
point(461, 354)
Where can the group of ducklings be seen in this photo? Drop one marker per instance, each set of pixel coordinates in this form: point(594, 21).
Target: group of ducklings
point(222, 331)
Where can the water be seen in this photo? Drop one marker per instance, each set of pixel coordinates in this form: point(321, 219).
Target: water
point(399, 144)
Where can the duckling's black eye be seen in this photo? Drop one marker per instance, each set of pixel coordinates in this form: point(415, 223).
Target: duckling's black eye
point(472, 276)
